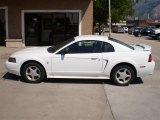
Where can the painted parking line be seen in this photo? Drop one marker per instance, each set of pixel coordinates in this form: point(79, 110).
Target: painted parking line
point(1, 75)
point(108, 103)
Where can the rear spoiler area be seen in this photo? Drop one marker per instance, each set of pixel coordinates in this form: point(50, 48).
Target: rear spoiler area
point(143, 46)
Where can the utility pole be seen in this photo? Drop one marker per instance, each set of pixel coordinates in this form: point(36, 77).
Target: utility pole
point(110, 18)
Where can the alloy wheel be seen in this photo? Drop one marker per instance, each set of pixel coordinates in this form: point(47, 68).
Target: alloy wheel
point(33, 73)
point(123, 75)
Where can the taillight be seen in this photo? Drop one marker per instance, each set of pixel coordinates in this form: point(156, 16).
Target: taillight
point(150, 58)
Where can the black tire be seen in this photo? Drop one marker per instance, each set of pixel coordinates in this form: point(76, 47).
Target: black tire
point(139, 34)
point(158, 37)
point(122, 75)
point(33, 72)
point(136, 35)
point(154, 38)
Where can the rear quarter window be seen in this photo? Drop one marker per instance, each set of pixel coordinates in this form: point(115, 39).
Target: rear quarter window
point(107, 47)
point(122, 43)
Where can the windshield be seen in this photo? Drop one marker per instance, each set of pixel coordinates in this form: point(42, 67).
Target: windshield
point(122, 43)
point(62, 44)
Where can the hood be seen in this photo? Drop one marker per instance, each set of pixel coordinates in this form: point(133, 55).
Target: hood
point(37, 51)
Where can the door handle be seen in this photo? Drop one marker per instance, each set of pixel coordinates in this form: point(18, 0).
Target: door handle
point(93, 58)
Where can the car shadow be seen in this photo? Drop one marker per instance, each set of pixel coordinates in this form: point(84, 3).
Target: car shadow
point(137, 80)
point(12, 77)
point(74, 81)
point(149, 38)
point(9, 76)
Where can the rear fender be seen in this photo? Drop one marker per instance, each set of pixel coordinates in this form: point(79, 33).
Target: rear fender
point(107, 71)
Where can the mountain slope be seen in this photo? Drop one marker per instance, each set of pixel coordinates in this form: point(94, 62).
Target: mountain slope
point(145, 9)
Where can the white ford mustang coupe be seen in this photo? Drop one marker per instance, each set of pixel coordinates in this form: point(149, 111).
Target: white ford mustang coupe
point(83, 57)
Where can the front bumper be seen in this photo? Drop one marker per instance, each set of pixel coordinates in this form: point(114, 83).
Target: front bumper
point(12, 68)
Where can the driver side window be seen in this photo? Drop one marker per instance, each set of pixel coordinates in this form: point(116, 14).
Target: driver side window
point(88, 46)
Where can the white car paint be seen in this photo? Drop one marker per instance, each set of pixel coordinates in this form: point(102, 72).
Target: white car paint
point(87, 65)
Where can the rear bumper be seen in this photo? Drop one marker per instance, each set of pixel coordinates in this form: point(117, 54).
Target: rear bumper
point(147, 70)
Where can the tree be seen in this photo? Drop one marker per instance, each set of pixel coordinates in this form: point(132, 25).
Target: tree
point(100, 12)
point(119, 10)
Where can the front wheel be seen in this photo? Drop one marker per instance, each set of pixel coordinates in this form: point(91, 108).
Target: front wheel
point(122, 75)
point(33, 73)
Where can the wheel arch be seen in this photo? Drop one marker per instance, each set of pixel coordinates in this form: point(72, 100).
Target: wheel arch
point(26, 62)
point(124, 63)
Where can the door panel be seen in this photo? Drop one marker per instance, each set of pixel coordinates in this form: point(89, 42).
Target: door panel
point(88, 65)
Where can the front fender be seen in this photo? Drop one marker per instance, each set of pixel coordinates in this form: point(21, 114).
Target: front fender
point(44, 61)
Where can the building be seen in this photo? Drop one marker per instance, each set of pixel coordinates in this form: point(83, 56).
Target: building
point(43, 22)
point(155, 23)
point(143, 23)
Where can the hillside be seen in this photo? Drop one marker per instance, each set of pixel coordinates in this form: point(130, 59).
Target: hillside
point(145, 9)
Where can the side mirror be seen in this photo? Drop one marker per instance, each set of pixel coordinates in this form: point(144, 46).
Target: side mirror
point(64, 51)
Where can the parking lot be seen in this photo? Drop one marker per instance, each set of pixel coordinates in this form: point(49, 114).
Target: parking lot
point(61, 99)
point(139, 101)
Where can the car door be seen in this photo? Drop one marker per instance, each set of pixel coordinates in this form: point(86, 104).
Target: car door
point(82, 58)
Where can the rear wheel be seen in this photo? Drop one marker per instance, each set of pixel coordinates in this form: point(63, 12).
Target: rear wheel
point(123, 75)
point(33, 73)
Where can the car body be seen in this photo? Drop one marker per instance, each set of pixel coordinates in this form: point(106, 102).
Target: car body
point(143, 32)
point(155, 33)
point(96, 30)
point(130, 31)
point(125, 29)
point(83, 57)
point(106, 29)
point(118, 29)
point(137, 31)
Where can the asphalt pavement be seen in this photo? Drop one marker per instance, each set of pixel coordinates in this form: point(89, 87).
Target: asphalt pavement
point(140, 100)
point(53, 99)
point(63, 99)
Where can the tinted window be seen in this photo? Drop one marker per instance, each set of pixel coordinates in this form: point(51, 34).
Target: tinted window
point(88, 46)
point(55, 48)
point(122, 43)
point(107, 47)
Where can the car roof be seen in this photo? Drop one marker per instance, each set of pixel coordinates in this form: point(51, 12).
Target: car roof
point(138, 27)
point(91, 37)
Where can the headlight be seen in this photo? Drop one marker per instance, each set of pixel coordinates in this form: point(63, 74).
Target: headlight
point(11, 59)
